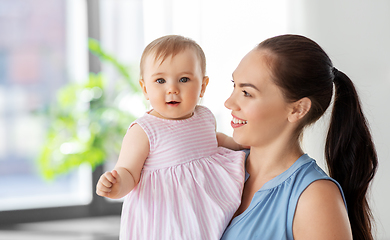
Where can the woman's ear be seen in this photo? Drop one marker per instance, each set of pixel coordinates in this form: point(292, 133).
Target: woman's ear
point(299, 109)
point(205, 82)
point(143, 87)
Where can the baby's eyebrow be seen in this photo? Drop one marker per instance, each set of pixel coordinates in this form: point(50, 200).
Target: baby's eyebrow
point(186, 73)
point(157, 74)
point(248, 85)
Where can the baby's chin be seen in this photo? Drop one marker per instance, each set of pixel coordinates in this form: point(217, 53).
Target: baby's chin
point(186, 116)
point(172, 116)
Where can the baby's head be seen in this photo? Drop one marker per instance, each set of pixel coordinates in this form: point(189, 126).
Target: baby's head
point(173, 76)
point(170, 45)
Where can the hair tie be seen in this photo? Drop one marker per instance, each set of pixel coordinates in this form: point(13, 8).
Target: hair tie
point(334, 71)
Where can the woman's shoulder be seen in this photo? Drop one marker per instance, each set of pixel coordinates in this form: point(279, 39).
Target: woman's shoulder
point(323, 192)
point(321, 212)
point(310, 179)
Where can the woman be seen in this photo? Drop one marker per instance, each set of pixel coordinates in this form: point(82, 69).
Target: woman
point(280, 87)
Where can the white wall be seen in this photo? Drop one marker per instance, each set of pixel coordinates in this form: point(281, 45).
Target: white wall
point(356, 35)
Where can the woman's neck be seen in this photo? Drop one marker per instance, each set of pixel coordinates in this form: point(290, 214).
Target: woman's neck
point(268, 162)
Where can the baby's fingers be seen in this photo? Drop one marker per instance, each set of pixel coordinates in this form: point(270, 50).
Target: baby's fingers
point(108, 179)
point(103, 191)
point(116, 175)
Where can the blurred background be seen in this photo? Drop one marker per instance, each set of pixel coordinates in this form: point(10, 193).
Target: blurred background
point(68, 91)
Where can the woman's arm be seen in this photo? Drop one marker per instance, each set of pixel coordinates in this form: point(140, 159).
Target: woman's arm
point(321, 213)
point(127, 172)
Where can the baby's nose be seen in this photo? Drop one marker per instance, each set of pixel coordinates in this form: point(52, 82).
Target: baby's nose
point(172, 89)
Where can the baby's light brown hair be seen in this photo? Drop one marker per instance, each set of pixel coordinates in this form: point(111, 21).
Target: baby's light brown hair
point(171, 45)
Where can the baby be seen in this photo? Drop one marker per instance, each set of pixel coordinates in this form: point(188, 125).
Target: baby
point(177, 182)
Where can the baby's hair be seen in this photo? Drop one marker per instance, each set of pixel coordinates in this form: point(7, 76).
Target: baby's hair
point(171, 45)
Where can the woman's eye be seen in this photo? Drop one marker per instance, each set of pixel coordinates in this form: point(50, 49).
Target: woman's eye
point(184, 79)
point(246, 94)
point(160, 80)
point(234, 84)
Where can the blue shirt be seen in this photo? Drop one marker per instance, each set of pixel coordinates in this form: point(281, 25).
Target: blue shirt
point(271, 212)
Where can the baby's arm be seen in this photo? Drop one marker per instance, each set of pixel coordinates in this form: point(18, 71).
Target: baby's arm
point(228, 142)
point(127, 172)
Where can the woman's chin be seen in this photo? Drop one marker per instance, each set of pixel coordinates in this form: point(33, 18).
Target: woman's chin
point(239, 140)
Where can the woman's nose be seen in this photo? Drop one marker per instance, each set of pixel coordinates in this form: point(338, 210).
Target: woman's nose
point(230, 103)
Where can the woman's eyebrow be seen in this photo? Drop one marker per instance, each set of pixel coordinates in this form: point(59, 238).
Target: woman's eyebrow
point(248, 85)
point(245, 84)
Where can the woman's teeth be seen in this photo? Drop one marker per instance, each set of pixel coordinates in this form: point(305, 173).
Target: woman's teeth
point(238, 121)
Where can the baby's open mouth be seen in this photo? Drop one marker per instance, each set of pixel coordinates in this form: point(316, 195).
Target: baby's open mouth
point(173, 103)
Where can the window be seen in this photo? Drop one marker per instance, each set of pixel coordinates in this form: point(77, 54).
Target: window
point(43, 47)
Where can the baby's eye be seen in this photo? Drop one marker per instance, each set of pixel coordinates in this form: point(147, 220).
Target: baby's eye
point(160, 80)
point(234, 84)
point(246, 94)
point(184, 79)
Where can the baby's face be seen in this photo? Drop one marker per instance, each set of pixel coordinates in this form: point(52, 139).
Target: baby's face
point(174, 86)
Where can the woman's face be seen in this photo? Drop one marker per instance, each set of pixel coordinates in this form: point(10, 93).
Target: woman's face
point(260, 113)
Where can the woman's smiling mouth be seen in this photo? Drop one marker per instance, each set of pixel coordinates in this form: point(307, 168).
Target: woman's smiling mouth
point(237, 122)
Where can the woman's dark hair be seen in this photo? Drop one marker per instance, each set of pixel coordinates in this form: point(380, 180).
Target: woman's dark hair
point(301, 68)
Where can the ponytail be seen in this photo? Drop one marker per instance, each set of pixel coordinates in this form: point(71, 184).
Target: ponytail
point(350, 154)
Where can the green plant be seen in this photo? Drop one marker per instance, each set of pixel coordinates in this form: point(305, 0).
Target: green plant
point(86, 124)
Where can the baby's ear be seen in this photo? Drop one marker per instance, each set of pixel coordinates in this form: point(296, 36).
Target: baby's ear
point(205, 82)
point(143, 87)
point(299, 109)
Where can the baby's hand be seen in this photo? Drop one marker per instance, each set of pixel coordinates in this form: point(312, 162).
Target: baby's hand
point(244, 147)
point(108, 184)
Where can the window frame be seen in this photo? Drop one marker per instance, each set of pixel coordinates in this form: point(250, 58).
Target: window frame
point(98, 206)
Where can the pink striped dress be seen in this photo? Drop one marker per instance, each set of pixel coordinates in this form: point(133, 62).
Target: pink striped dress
point(189, 187)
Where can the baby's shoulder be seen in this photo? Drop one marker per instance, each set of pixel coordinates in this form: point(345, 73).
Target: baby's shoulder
point(203, 110)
